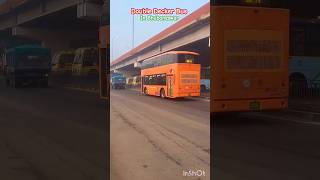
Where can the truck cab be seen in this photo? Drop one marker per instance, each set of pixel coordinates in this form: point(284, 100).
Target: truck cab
point(27, 64)
point(118, 82)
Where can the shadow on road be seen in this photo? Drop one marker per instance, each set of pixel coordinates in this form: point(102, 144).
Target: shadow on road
point(240, 119)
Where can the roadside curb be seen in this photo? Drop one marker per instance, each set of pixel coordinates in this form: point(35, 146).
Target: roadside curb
point(90, 90)
point(138, 90)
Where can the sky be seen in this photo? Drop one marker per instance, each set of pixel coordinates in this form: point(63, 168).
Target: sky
point(121, 22)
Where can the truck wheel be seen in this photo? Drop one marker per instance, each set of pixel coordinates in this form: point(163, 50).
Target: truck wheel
point(203, 88)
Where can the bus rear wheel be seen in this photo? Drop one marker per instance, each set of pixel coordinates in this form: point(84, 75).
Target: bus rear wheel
point(145, 91)
point(162, 94)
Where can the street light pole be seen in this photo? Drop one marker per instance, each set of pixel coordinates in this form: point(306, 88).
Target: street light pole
point(132, 31)
point(112, 48)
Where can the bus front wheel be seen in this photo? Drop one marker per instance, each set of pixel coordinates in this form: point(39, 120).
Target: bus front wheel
point(162, 94)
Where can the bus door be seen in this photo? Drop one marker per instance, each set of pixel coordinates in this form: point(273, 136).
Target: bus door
point(142, 83)
point(170, 85)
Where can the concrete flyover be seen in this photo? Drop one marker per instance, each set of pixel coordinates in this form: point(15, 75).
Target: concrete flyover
point(191, 33)
point(57, 24)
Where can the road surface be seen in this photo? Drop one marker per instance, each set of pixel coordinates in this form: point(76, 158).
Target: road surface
point(56, 133)
point(154, 138)
point(271, 146)
point(51, 134)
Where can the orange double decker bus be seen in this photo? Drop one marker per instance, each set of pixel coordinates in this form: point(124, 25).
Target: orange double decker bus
point(172, 74)
point(249, 51)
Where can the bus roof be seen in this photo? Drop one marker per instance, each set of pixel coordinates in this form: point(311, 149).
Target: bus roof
point(181, 52)
point(172, 52)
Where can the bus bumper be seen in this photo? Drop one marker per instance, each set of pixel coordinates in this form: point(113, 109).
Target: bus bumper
point(193, 94)
point(248, 105)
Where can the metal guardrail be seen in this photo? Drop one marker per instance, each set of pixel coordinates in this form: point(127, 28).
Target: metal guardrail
point(304, 88)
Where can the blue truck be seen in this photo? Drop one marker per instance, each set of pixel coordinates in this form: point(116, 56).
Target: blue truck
point(118, 81)
point(27, 64)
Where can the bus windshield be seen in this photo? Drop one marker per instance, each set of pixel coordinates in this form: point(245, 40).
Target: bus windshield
point(66, 58)
point(32, 60)
point(90, 57)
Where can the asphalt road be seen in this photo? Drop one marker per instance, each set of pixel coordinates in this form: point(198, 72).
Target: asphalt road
point(275, 146)
point(154, 138)
point(56, 133)
point(52, 134)
point(266, 146)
